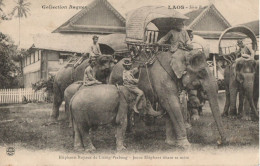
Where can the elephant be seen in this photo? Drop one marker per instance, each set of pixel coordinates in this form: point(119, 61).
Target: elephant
point(67, 75)
point(241, 77)
point(161, 82)
point(106, 104)
point(256, 84)
point(69, 92)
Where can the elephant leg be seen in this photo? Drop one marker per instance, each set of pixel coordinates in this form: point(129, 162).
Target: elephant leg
point(68, 113)
point(170, 137)
point(227, 102)
point(254, 114)
point(130, 121)
point(256, 90)
point(256, 99)
point(121, 121)
point(78, 145)
point(172, 105)
point(184, 108)
point(87, 143)
point(246, 110)
point(233, 101)
point(241, 110)
point(57, 100)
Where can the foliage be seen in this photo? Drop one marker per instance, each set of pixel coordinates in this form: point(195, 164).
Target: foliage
point(22, 8)
point(9, 70)
point(3, 16)
point(47, 85)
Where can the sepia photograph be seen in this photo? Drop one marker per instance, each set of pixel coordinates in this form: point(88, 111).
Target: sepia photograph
point(129, 82)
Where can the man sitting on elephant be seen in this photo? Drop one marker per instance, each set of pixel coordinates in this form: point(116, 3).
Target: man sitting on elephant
point(94, 48)
point(243, 49)
point(178, 38)
point(130, 82)
point(89, 73)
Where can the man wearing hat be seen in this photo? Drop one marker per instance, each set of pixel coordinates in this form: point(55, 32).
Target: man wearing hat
point(243, 49)
point(177, 37)
point(131, 82)
point(89, 73)
point(94, 48)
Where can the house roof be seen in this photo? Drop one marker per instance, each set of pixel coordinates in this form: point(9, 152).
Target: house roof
point(81, 13)
point(77, 42)
point(63, 42)
point(254, 26)
point(193, 15)
point(196, 15)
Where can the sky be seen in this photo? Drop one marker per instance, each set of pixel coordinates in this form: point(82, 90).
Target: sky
point(44, 21)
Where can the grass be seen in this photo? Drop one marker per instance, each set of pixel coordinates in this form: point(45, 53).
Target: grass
point(29, 130)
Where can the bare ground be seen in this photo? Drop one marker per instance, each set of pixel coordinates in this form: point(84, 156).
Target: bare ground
point(26, 126)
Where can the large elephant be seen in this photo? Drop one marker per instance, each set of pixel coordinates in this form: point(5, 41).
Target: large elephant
point(106, 104)
point(256, 84)
point(241, 77)
point(161, 84)
point(68, 75)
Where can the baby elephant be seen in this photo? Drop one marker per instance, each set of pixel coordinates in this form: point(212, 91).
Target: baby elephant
point(99, 105)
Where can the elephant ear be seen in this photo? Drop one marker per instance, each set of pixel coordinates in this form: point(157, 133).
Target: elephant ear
point(197, 63)
point(178, 63)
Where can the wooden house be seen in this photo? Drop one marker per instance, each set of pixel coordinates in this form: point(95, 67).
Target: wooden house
point(209, 23)
point(50, 52)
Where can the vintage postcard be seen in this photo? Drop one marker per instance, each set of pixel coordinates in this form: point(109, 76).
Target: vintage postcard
point(129, 82)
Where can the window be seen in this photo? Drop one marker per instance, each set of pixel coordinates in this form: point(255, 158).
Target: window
point(61, 61)
point(28, 59)
point(32, 58)
point(36, 56)
point(63, 57)
point(40, 54)
point(23, 63)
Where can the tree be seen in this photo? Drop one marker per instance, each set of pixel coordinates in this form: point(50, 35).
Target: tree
point(9, 71)
point(1, 4)
point(22, 9)
point(3, 16)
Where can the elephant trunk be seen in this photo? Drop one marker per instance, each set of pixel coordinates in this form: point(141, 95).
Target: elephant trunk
point(210, 87)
